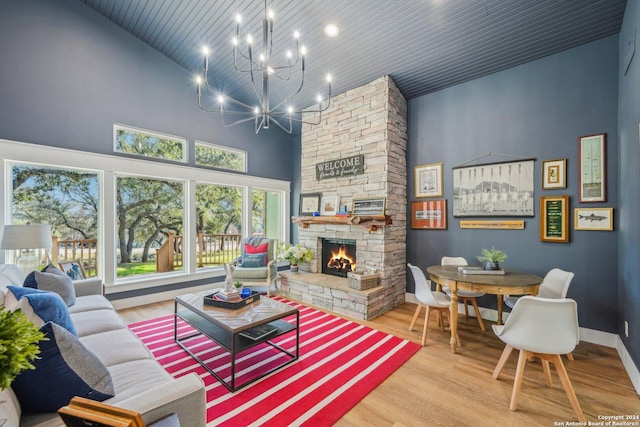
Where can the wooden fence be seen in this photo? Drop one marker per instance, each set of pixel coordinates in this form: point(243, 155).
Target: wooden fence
point(83, 250)
point(213, 250)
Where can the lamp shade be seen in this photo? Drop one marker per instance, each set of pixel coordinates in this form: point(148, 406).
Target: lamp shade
point(29, 236)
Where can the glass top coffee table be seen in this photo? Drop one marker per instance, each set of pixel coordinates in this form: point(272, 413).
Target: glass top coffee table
point(237, 331)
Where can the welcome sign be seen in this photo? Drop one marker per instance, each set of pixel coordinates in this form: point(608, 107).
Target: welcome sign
point(341, 167)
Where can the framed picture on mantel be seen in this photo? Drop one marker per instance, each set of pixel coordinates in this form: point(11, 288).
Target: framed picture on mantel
point(310, 203)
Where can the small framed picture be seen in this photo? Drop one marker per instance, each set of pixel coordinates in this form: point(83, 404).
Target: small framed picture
point(592, 153)
point(593, 219)
point(329, 205)
point(554, 219)
point(310, 203)
point(554, 174)
point(428, 180)
point(429, 214)
point(72, 269)
point(372, 206)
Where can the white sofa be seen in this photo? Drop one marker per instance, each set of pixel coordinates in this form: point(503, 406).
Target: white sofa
point(140, 383)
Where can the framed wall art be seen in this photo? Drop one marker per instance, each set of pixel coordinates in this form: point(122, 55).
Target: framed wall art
point(554, 219)
point(494, 189)
point(429, 214)
point(310, 203)
point(592, 174)
point(73, 269)
point(371, 206)
point(329, 205)
point(554, 174)
point(593, 219)
point(428, 180)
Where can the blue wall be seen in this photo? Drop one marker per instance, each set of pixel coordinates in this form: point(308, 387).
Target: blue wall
point(629, 158)
point(67, 74)
point(539, 110)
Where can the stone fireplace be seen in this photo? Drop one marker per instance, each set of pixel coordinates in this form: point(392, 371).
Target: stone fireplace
point(368, 121)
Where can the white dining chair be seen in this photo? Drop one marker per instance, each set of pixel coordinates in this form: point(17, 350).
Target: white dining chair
point(467, 297)
point(544, 328)
point(554, 285)
point(429, 299)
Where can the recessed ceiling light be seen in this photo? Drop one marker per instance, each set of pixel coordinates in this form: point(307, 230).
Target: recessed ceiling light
point(331, 30)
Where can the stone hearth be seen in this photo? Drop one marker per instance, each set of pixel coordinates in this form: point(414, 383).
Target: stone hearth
point(369, 121)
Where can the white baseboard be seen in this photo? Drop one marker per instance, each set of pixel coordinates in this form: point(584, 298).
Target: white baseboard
point(606, 339)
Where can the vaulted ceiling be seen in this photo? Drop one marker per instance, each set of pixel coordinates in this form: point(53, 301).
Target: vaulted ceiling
point(424, 45)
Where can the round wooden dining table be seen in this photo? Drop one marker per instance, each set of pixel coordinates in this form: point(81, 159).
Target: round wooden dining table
point(510, 283)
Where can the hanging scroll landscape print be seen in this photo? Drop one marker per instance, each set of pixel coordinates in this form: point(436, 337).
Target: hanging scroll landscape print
point(494, 189)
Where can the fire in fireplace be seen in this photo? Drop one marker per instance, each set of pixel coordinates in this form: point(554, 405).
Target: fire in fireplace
point(338, 256)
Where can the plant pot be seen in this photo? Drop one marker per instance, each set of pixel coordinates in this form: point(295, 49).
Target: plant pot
point(294, 268)
point(488, 265)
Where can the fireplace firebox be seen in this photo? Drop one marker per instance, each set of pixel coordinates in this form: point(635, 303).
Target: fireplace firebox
point(338, 256)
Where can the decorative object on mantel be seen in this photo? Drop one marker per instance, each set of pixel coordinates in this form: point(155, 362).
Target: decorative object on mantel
point(361, 281)
point(310, 203)
point(329, 205)
point(262, 65)
point(492, 257)
point(494, 189)
point(370, 222)
point(369, 206)
point(295, 254)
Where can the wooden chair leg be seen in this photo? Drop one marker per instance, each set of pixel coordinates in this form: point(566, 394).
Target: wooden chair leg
point(566, 384)
point(570, 356)
point(425, 331)
point(440, 321)
point(547, 372)
point(465, 301)
point(477, 311)
point(503, 359)
point(517, 382)
point(415, 317)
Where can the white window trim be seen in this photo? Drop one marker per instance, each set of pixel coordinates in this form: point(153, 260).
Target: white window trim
point(184, 141)
point(243, 153)
point(112, 166)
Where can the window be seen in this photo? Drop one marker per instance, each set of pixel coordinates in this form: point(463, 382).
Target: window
point(149, 231)
point(149, 144)
point(219, 224)
point(67, 200)
point(266, 213)
point(220, 157)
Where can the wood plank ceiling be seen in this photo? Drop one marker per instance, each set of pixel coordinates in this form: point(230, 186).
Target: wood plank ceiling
point(424, 45)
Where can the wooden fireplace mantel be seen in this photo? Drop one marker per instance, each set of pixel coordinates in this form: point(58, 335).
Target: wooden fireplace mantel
point(371, 222)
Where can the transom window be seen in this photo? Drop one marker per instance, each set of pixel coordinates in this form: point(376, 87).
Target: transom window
point(220, 157)
point(146, 143)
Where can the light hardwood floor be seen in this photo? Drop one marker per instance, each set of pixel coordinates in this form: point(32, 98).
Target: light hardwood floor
point(438, 388)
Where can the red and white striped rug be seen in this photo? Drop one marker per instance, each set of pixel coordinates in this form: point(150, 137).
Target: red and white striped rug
point(340, 363)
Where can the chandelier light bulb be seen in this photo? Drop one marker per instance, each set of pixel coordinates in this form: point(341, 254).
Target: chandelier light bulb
point(289, 54)
point(290, 110)
point(234, 41)
point(262, 57)
point(329, 78)
point(270, 70)
point(198, 80)
point(256, 110)
point(319, 99)
point(249, 39)
point(205, 50)
point(270, 14)
point(303, 51)
point(296, 35)
point(331, 30)
point(238, 18)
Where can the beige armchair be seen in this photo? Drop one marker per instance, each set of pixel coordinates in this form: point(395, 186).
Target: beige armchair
point(252, 270)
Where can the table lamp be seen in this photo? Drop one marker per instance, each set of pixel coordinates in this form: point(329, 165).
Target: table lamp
point(27, 237)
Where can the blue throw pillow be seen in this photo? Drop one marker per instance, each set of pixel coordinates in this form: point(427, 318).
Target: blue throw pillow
point(64, 368)
point(254, 260)
point(41, 307)
point(52, 279)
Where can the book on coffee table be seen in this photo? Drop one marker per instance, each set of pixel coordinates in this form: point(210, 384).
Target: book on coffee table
point(259, 332)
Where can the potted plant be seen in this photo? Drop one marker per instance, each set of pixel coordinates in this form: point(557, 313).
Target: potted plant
point(296, 254)
point(491, 258)
point(18, 345)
